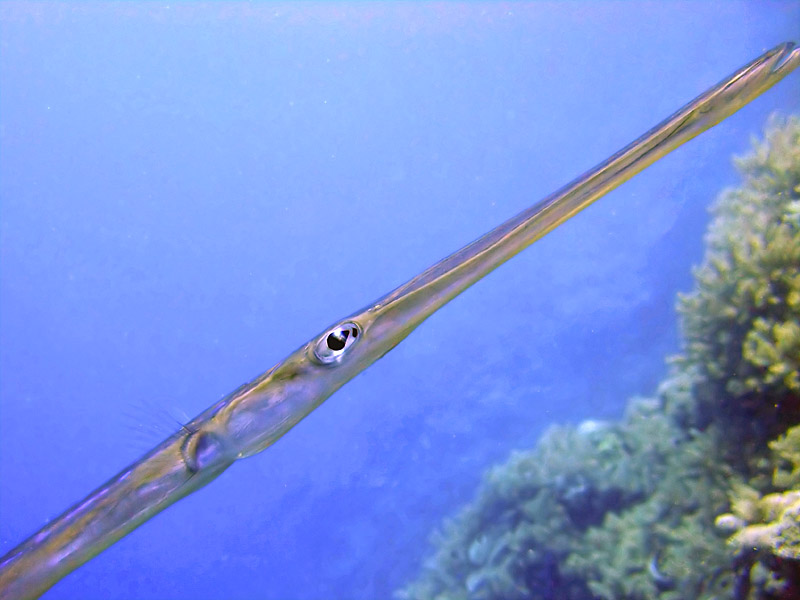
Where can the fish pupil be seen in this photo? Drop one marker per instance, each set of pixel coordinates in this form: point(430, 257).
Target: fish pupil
point(337, 340)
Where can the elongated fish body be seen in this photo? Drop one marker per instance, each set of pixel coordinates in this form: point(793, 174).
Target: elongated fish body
point(254, 416)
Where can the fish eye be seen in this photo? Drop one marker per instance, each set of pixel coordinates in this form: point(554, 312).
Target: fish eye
point(335, 343)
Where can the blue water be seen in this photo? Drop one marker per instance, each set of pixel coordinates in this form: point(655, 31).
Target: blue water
point(189, 192)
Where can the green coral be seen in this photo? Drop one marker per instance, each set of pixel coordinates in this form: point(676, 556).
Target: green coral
point(774, 347)
point(764, 528)
point(548, 515)
point(686, 497)
point(653, 549)
point(742, 323)
point(616, 547)
point(786, 460)
point(776, 529)
point(509, 542)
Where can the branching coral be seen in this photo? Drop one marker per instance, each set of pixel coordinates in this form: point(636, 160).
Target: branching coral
point(777, 527)
point(765, 528)
point(786, 460)
point(530, 514)
point(742, 323)
point(664, 546)
point(509, 543)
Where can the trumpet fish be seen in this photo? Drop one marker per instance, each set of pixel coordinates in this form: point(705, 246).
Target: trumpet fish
point(255, 415)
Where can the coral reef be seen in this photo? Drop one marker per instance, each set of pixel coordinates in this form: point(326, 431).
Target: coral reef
point(652, 549)
point(741, 322)
point(786, 460)
point(510, 541)
point(686, 497)
point(764, 529)
point(777, 530)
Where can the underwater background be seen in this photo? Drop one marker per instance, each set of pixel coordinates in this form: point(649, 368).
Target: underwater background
point(190, 191)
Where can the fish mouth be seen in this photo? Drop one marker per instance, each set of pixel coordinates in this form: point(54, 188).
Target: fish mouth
point(752, 80)
point(785, 57)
